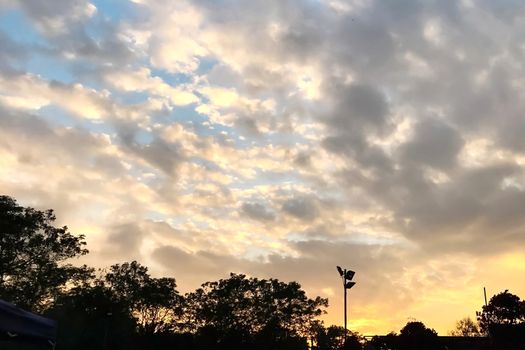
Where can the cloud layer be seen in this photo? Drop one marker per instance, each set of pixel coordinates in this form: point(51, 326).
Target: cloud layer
point(279, 138)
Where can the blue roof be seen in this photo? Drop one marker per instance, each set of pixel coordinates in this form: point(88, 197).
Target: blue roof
point(14, 320)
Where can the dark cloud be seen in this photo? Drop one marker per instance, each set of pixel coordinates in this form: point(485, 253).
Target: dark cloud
point(64, 24)
point(355, 148)
point(356, 107)
point(364, 42)
point(248, 125)
point(24, 123)
point(452, 215)
point(124, 241)
point(512, 136)
point(357, 111)
point(158, 153)
point(11, 51)
point(257, 211)
point(45, 11)
point(303, 160)
point(508, 11)
point(301, 207)
point(434, 143)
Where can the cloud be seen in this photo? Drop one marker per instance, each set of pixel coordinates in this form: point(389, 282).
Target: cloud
point(142, 80)
point(57, 17)
point(125, 241)
point(30, 91)
point(11, 51)
point(257, 211)
point(434, 144)
point(301, 207)
point(357, 107)
point(158, 153)
point(171, 35)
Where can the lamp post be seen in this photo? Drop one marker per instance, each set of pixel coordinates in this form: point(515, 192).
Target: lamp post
point(346, 276)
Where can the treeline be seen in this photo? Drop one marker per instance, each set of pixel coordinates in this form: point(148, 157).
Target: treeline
point(124, 307)
point(127, 308)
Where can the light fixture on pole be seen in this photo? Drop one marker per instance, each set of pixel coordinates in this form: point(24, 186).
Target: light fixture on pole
point(346, 276)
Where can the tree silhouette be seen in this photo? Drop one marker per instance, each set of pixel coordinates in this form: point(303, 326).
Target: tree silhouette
point(153, 302)
point(33, 254)
point(111, 310)
point(387, 342)
point(466, 328)
point(242, 308)
point(90, 317)
point(416, 336)
point(333, 338)
point(329, 338)
point(504, 318)
point(413, 336)
point(352, 342)
point(503, 309)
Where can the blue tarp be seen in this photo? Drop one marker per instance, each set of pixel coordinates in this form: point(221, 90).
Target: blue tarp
point(24, 324)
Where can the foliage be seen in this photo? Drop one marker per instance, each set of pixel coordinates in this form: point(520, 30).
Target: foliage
point(245, 307)
point(503, 309)
point(113, 309)
point(154, 302)
point(33, 254)
point(387, 342)
point(415, 335)
point(352, 342)
point(329, 338)
point(504, 318)
point(89, 317)
point(466, 328)
point(333, 338)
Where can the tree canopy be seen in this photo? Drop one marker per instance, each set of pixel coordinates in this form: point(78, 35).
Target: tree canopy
point(504, 317)
point(155, 303)
point(33, 255)
point(466, 327)
point(413, 336)
point(121, 304)
point(250, 306)
point(503, 309)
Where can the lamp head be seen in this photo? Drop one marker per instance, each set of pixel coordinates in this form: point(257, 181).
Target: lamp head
point(349, 285)
point(349, 275)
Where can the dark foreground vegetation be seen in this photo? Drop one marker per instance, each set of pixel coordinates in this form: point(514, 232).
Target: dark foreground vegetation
point(124, 307)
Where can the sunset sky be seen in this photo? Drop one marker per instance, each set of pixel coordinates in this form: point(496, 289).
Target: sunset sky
point(279, 138)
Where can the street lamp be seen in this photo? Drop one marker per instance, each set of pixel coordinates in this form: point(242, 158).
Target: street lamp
point(346, 276)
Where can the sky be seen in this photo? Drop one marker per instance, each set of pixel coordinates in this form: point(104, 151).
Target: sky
point(279, 138)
